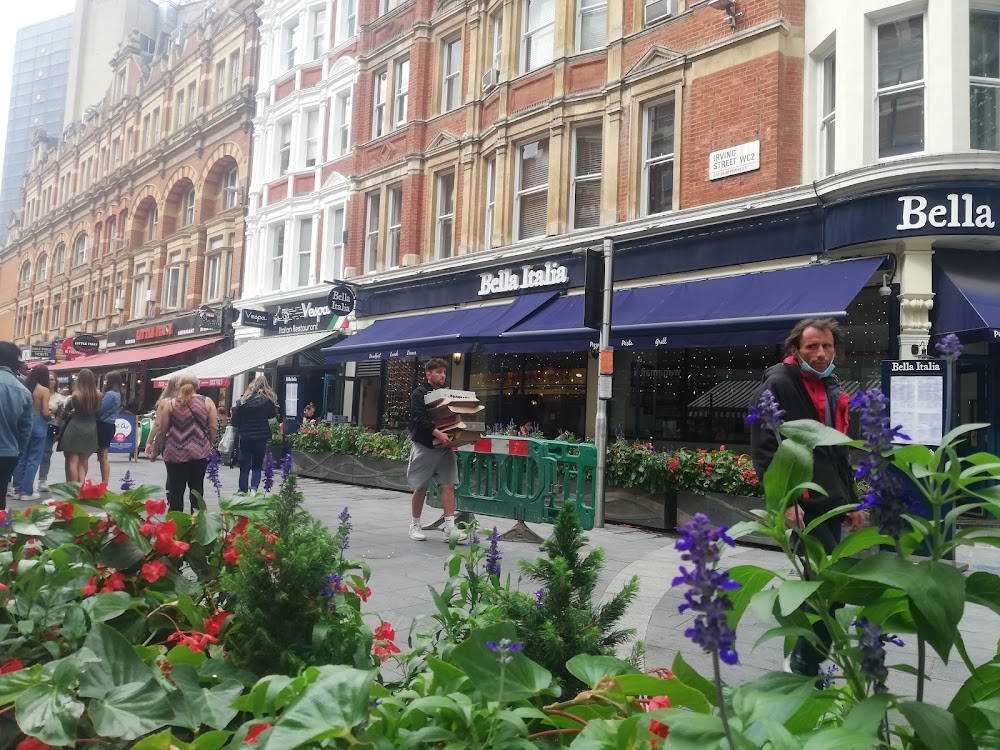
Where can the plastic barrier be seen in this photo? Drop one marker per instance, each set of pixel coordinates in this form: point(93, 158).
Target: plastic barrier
point(524, 479)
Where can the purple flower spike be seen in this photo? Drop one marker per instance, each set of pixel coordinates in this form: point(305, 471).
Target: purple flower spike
point(767, 412)
point(506, 648)
point(286, 467)
point(268, 472)
point(540, 597)
point(871, 641)
point(127, 482)
point(699, 542)
point(214, 460)
point(949, 347)
point(345, 527)
point(493, 554)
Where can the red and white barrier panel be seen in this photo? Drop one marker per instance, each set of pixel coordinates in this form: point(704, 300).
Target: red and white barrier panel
point(504, 446)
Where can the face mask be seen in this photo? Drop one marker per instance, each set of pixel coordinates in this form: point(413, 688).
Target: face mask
point(825, 374)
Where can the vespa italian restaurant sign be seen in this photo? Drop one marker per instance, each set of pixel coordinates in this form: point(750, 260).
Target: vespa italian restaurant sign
point(303, 317)
point(526, 277)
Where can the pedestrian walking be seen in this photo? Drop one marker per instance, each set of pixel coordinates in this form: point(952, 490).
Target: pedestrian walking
point(188, 424)
point(251, 417)
point(79, 436)
point(804, 387)
point(15, 415)
point(111, 405)
point(56, 401)
point(28, 462)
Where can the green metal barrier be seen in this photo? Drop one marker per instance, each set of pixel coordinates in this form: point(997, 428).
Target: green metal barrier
point(524, 479)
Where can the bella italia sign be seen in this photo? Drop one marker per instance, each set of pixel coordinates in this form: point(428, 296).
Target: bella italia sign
point(527, 277)
point(957, 212)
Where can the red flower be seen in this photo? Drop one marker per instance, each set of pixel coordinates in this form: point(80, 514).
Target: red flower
point(231, 555)
point(363, 594)
point(214, 623)
point(660, 701)
point(64, 511)
point(193, 640)
point(11, 665)
point(3, 516)
point(153, 571)
point(156, 507)
point(91, 588)
point(90, 491)
point(147, 528)
point(254, 732)
point(30, 743)
point(384, 632)
point(170, 547)
point(114, 582)
point(272, 538)
point(241, 525)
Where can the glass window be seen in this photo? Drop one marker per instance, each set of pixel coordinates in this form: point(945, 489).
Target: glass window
point(657, 9)
point(305, 259)
point(76, 304)
point(37, 313)
point(335, 244)
point(318, 25)
point(231, 188)
point(179, 109)
point(80, 250)
point(220, 82)
point(235, 79)
point(451, 67)
point(172, 298)
point(401, 86)
point(658, 158)
point(444, 217)
point(42, 273)
point(591, 24)
point(312, 138)
point(189, 207)
point(212, 268)
point(192, 96)
point(57, 311)
point(60, 259)
point(538, 37)
point(277, 256)
point(371, 232)
point(378, 111)
point(491, 202)
point(531, 199)
point(102, 308)
point(828, 115)
point(153, 224)
point(26, 275)
point(284, 147)
point(496, 55)
point(586, 195)
point(342, 123)
point(395, 226)
point(984, 72)
point(139, 291)
point(348, 19)
point(289, 43)
point(900, 97)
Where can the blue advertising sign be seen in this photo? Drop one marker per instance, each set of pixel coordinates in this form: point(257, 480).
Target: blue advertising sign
point(124, 438)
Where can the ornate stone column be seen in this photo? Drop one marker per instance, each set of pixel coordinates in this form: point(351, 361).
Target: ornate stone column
point(916, 297)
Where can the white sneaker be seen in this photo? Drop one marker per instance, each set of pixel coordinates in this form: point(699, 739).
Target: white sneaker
point(786, 666)
point(462, 536)
point(416, 533)
point(29, 498)
point(11, 492)
point(43, 486)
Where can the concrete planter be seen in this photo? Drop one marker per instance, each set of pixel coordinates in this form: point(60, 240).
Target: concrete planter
point(637, 507)
point(383, 473)
point(721, 509)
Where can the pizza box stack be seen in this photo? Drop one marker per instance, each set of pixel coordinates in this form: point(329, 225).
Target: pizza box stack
point(457, 413)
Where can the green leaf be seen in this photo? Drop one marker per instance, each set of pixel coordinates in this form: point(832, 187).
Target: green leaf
point(207, 528)
point(210, 740)
point(49, 713)
point(679, 693)
point(161, 741)
point(690, 677)
point(791, 594)
point(601, 734)
point(866, 716)
point(131, 711)
point(117, 663)
point(590, 669)
point(783, 632)
point(983, 588)
point(936, 728)
point(330, 707)
point(13, 684)
point(689, 731)
point(523, 678)
point(763, 604)
point(774, 696)
point(961, 430)
point(860, 540)
point(810, 433)
point(198, 705)
point(791, 466)
point(108, 606)
point(838, 738)
point(752, 580)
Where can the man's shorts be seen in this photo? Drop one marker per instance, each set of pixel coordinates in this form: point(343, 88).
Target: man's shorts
point(431, 463)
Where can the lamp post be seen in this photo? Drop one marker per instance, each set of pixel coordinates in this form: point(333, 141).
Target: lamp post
point(605, 369)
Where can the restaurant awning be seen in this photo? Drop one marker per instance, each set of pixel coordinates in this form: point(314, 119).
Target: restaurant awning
point(434, 333)
point(966, 291)
point(251, 355)
point(747, 309)
point(120, 357)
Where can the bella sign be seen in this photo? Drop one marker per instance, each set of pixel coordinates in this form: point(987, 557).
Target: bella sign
point(530, 277)
point(960, 211)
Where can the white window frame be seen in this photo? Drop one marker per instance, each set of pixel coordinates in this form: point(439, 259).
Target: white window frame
point(311, 139)
point(213, 277)
point(380, 92)
point(341, 131)
point(491, 201)
point(276, 255)
point(289, 44)
point(394, 225)
point(649, 162)
point(42, 268)
point(284, 139)
point(528, 35)
point(590, 8)
point(347, 26)
point(826, 137)
point(451, 74)
point(192, 94)
point(576, 180)
point(660, 9)
point(56, 319)
point(317, 35)
point(305, 250)
point(334, 268)
point(181, 108)
point(139, 291)
point(444, 215)
point(373, 204)
point(901, 88)
point(75, 313)
point(173, 286)
point(496, 36)
point(235, 72)
point(982, 82)
point(153, 224)
point(521, 193)
point(401, 91)
point(220, 81)
point(231, 189)
point(25, 274)
point(80, 250)
point(189, 205)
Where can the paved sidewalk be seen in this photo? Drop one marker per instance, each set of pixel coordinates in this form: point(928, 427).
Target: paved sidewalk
point(402, 571)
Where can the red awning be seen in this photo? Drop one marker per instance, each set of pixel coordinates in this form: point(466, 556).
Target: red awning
point(130, 356)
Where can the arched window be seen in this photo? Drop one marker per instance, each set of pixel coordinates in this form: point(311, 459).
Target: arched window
point(80, 249)
point(153, 223)
point(26, 274)
point(42, 269)
point(231, 188)
point(60, 259)
point(189, 208)
point(112, 229)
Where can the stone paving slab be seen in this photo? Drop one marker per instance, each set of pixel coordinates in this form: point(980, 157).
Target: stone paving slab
point(402, 571)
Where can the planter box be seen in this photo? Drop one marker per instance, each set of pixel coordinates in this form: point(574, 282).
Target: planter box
point(638, 507)
point(722, 509)
point(382, 473)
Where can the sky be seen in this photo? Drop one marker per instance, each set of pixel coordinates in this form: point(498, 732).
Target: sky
point(16, 14)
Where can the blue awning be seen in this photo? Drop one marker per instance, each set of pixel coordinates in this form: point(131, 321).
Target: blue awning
point(434, 333)
point(753, 308)
point(966, 291)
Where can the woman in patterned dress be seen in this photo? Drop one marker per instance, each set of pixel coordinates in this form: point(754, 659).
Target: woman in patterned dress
point(189, 423)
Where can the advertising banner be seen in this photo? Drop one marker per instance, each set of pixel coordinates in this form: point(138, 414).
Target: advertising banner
point(124, 439)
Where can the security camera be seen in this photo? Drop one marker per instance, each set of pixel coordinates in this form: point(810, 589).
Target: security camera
point(885, 290)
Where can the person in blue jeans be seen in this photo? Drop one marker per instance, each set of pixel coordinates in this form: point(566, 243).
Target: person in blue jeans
point(15, 415)
point(28, 462)
point(252, 417)
point(111, 405)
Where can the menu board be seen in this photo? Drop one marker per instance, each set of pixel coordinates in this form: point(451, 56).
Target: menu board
point(917, 398)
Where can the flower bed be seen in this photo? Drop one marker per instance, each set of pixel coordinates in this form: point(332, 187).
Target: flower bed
point(639, 465)
point(349, 440)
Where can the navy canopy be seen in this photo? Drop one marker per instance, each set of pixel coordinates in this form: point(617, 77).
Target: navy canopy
point(434, 333)
point(751, 308)
point(967, 291)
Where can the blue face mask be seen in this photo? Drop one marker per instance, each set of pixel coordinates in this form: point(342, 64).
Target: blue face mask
point(825, 374)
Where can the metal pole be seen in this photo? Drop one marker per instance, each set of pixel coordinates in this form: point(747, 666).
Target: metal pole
point(603, 388)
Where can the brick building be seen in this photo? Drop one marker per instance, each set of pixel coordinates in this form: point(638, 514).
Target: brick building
point(134, 220)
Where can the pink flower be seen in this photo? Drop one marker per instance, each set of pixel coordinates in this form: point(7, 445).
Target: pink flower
point(156, 507)
point(254, 732)
point(153, 571)
point(11, 665)
point(91, 491)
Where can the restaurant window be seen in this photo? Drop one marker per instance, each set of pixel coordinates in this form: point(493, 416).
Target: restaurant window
point(444, 215)
point(658, 158)
point(984, 73)
point(395, 226)
point(531, 198)
point(586, 194)
point(537, 41)
point(371, 232)
point(900, 81)
point(305, 259)
point(277, 256)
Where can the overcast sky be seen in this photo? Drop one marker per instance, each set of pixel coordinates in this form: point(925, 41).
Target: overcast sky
point(16, 14)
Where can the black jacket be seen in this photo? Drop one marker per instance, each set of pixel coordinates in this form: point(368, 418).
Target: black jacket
point(421, 425)
point(250, 418)
point(831, 464)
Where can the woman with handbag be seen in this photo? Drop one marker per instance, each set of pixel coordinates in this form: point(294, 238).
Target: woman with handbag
point(111, 404)
point(189, 424)
point(56, 401)
point(252, 417)
point(79, 434)
point(28, 462)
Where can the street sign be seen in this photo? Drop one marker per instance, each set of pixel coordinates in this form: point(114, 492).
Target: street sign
point(341, 299)
point(41, 351)
point(257, 319)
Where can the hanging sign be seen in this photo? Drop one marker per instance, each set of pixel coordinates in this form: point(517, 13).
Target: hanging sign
point(86, 343)
point(341, 299)
point(257, 318)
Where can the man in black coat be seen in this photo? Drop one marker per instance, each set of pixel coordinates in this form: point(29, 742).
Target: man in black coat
point(804, 387)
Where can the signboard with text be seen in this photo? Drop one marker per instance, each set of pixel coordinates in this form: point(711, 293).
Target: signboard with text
point(257, 319)
point(917, 390)
point(734, 160)
point(183, 326)
point(124, 437)
point(305, 316)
